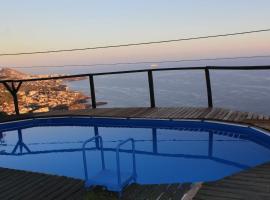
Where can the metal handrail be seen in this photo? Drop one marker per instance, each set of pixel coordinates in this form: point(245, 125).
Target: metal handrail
point(259, 67)
point(118, 159)
point(84, 154)
point(13, 89)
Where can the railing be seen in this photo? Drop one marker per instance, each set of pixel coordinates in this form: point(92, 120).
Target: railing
point(13, 86)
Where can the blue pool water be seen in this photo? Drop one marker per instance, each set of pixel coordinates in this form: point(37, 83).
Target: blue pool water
point(167, 151)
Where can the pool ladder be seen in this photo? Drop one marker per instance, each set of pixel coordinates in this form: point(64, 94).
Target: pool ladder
point(112, 180)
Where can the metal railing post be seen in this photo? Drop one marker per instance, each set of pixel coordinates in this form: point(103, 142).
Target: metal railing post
point(92, 91)
point(208, 86)
point(151, 89)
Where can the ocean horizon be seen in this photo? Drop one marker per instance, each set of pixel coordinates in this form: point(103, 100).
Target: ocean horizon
point(237, 90)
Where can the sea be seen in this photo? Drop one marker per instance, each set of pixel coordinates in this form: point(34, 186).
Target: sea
point(238, 90)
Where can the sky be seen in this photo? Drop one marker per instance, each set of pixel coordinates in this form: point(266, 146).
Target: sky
point(36, 25)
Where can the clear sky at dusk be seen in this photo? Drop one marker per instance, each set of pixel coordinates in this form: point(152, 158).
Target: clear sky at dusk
point(35, 25)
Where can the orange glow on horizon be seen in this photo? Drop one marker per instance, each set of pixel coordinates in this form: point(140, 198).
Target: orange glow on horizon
point(219, 47)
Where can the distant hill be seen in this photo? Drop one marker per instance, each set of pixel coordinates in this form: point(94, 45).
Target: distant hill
point(9, 73)
point(12, 74)
point(40, 96)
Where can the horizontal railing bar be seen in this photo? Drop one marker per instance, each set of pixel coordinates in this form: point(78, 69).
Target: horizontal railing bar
point(266, 67)
point(146, 70)
point(103, 73)
point(120, 72)
point(44, 79)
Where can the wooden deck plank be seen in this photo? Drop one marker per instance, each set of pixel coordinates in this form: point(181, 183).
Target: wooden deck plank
point(29, 185)
point(173, 113)
point(204, 113)
point(243, 185)
point(233, 116)
point(178, 112)
point(134, 112)
point(183, 113)
point(191, 112)
point(65, 191)
point(221, 113)
point(165, 113)
point(212, 113)
point(266, 117)
point(218, 114)
point(255, 116)
point(15, 180)
point(196, 114)
point(241, 116)
point(140, 113)
point(156, 112)
point(32, 181)
point(228, 115)
point(148, 112)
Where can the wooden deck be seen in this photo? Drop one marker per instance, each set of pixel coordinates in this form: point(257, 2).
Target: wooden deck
point(219, 114)
point(19, 185)
point(250, 184)
point(23, 185)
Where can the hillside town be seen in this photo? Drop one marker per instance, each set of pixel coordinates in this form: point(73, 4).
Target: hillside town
point(40, 96)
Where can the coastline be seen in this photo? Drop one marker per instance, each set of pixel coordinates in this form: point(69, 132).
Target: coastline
point(42, 96)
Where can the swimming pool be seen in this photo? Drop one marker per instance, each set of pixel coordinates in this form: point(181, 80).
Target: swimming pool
point(167, 151)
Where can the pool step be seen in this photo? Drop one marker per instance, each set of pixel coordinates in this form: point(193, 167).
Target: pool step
point(111, 179)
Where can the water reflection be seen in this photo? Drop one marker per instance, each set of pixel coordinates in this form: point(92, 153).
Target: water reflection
point(22, 149)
